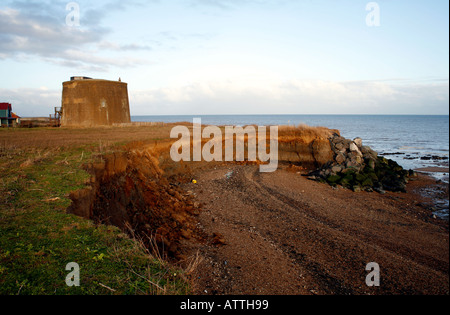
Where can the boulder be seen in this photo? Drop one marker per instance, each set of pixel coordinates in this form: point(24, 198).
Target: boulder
point(354, 149)
point(371, 163)
point(333, 179)
point(339, 146)
point(336, 169)
point(358, 142)
point(340, 158)
point(367, 151)
point(357, 188)
point(358, 167)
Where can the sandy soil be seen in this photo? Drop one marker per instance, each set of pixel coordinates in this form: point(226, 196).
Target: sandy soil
point(281, 234)
point(433, 169)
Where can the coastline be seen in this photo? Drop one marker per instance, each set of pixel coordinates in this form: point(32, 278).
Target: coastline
point(437, 192)
point(439, 173)
point(276, 233)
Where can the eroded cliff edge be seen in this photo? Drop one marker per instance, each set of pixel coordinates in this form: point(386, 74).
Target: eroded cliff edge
point(138, 189)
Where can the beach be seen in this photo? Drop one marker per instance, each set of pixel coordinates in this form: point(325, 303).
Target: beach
point(283, 234)
point(230, 228)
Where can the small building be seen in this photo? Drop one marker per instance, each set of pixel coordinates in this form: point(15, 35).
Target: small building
point(16, 119)
point(90, 102)
point(6, 115)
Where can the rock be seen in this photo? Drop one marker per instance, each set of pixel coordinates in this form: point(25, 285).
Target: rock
point(339, 146)
point(333, 179)
point(366, 150)
point(340, 158)
point(218, 240)
point(357, 188)
point(336, 169)
point(358, 142)
point(347, 182)
point(337, 139)
point(352, 165)
point(367, 183)
point(358, 167)
point(358, 160)
point(371, 164)
point(360, 177)
point(412, 173)
point(354, 148)
point(394, 184)
point(371, 174)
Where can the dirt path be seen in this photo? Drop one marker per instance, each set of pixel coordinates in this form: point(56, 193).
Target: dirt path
point(279, 233)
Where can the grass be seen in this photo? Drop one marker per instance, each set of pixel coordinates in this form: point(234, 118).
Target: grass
point(38, 238)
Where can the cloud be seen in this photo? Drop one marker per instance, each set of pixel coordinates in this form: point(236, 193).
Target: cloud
point(38, 29)
point(294, 97)
point(277, 97)
point(28, 102)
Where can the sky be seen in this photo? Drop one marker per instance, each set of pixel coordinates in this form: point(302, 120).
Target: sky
point(212, 57)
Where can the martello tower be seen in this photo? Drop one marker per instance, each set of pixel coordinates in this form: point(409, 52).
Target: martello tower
point(90, 102)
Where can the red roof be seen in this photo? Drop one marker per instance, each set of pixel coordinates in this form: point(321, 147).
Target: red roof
point(14, 115)
point(5, 106)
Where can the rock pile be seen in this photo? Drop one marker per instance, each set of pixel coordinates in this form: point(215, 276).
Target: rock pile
point(359, 168)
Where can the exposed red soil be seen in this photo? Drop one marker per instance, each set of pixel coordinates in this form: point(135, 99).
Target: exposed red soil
point(279, 233)
point(129, 190)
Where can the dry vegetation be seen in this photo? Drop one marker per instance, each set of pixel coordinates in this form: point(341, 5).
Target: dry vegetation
point(105, 136)
point(66, 137)
point(304, 133)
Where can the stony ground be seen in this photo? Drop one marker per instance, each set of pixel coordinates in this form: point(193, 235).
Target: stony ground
point(279, 233)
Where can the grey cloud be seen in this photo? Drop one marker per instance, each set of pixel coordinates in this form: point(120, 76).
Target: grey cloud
point(295, 97)
point(22, 34)
point(38, 28)
point(29, 102)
